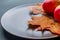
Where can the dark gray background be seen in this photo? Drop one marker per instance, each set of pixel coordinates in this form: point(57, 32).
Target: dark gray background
point(8, 4)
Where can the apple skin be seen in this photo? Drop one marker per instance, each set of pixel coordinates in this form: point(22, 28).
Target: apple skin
point(49, 6)
point(57, 13)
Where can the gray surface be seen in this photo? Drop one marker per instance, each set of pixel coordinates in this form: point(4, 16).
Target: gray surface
point(8, 4)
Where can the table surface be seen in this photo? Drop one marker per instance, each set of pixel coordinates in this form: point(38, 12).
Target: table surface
point(6, 5)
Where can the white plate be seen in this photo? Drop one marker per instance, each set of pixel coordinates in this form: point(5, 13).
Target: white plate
point(15, 21)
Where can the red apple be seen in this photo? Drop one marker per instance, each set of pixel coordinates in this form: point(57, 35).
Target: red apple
point(57, 13)
point(49, 5)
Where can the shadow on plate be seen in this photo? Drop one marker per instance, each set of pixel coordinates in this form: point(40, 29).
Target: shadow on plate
point(9, 36)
